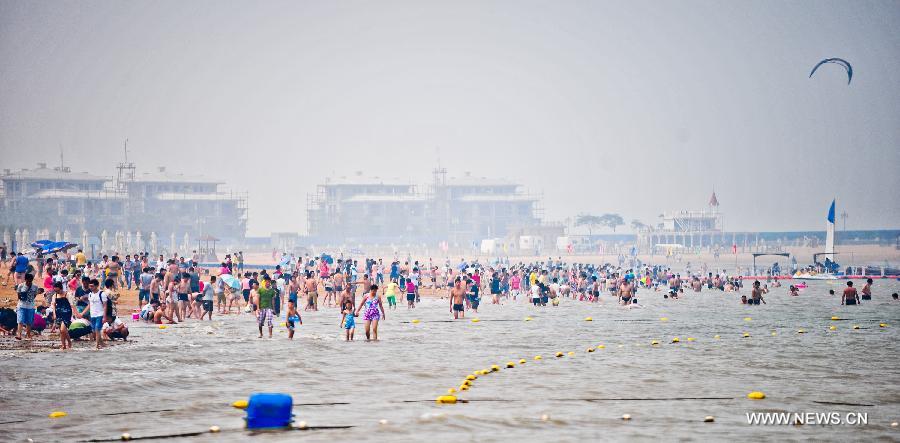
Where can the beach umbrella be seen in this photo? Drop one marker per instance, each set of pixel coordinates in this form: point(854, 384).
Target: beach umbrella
point(41, 243)
point(231, 280)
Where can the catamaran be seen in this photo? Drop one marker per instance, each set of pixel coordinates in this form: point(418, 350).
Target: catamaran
point(830, 266)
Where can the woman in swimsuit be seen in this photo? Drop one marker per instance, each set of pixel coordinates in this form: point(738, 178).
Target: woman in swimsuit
point(373, 313)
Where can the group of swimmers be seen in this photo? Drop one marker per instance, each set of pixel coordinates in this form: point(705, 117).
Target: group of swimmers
point(175, 289)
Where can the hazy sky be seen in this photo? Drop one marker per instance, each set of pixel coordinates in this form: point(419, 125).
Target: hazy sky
point(628, 107)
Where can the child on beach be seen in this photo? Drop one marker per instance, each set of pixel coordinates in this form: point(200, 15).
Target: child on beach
point(348, 322)
point(292, 317)
point(410, 294)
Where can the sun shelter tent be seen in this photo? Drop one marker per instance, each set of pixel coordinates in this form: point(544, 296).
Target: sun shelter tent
point(206, 247)
point(759, 254)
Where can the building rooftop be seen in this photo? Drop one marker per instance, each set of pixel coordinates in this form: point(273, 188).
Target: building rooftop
point(359, 179)
point(497, 198)
point(77, 194)
point(386, 198)
point(42, 172)
point(163, 176)
point(471, 180)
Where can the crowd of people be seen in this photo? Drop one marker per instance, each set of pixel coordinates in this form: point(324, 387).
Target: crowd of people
point(81, 297)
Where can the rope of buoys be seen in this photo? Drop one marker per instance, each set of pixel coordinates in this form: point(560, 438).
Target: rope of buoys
point(212, 430)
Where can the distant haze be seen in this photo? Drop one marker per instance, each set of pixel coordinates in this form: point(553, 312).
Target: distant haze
point(628, 107)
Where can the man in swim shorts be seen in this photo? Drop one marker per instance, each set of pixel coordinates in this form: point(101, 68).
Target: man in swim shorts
point(867, 290)
point(457, 299)
point(850, 296)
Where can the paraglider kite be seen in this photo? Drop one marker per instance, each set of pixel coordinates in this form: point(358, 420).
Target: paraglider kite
point(838, 61)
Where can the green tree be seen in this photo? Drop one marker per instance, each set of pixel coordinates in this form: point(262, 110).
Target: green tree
point(611, 221)
point(591, 221)
point(638, 225)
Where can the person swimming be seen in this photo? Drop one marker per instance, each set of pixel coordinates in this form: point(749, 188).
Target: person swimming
point(850, 295)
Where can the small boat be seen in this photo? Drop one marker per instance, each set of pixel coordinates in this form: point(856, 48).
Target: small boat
point(815, 276)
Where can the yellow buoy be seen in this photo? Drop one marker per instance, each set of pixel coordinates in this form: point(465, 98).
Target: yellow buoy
point(495, 368)
point(214, 429)
point(528, 318)
point(835, 317)
point(691, 338)
point(832, 328)
point(676, 340)
point(709, 419)
point(415, 321)
point(475, 320)
point(240, 404)
point(162, 326)
point(748, 319)
point(855, 326)
point(756, 395)
point(446, 399)
point(538, 357)
point(590, 350)
point(559, 354)
point(464, 387)
point(664, 319)
point(58, 414)
point(471, 377)
point(746, 334)
point(716, 337)
point(588, 319)
point(510, 364)
point(486, 371)
point(522, 361)
point(451, 391)
point(467, 382)
point(801, 331)
point(571, 354)
point(882, 325)
point(601, 347)
point(654, 342)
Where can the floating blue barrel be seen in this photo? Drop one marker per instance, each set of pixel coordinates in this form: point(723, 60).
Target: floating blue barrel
point(269, 410)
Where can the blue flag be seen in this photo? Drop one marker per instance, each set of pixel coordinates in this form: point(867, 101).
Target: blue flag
point(831, 213)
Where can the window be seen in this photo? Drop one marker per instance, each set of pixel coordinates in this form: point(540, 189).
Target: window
point(73, 207)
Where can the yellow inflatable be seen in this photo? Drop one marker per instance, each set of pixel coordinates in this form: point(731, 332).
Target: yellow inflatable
point(446, 400)
point(240, 404)
point(57, 414)
point(756, 395)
